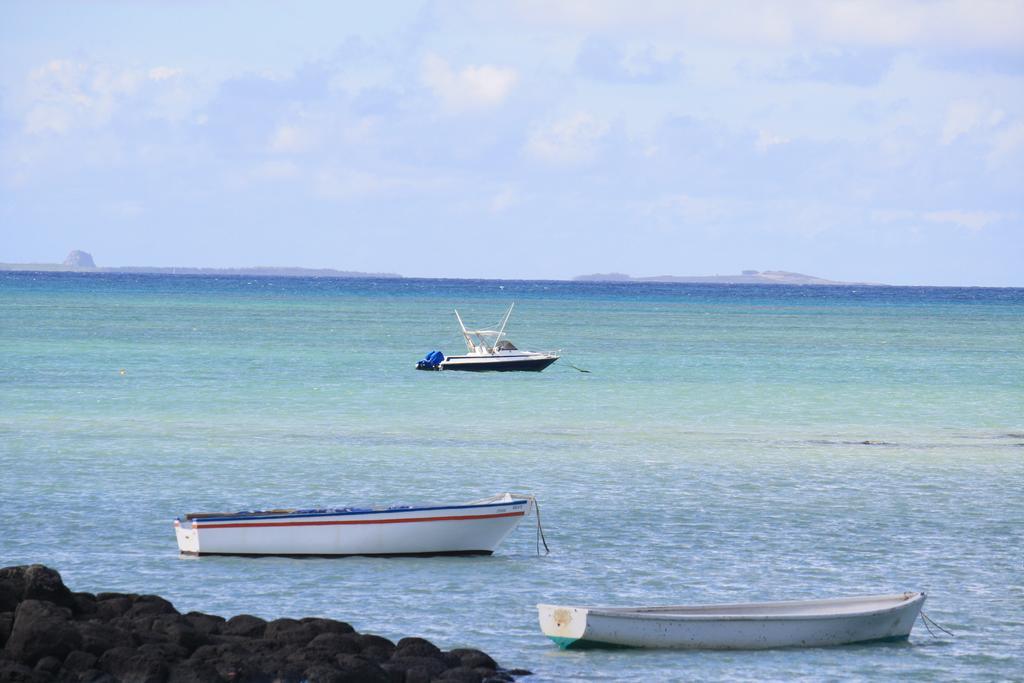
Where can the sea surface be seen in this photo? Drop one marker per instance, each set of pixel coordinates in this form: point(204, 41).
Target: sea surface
point(728, 443)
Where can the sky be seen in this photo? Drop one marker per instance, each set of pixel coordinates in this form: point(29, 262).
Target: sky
point(873, 141)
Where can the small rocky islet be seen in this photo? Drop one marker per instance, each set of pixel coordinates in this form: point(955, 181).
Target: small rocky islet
point(49, 633)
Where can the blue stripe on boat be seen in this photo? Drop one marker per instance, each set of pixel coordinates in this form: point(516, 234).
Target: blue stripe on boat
point(343, 512)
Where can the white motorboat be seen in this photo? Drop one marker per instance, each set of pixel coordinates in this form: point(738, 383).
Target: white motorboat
point(488, 350)
point(753, 626)
point(474, 528)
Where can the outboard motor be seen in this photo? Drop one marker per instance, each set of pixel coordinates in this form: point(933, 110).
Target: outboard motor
point(432, 361)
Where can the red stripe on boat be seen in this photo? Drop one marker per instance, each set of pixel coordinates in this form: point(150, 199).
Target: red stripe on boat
point(357, 521)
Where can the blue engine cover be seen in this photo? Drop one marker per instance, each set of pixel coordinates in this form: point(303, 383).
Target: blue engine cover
point(431, 361)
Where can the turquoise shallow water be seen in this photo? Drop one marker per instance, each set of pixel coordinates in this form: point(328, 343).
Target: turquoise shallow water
point(715, 452)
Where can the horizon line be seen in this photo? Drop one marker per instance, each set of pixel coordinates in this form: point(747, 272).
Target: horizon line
point(335, 273)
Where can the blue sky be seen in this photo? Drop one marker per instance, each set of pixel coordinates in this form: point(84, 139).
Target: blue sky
point(879, 141)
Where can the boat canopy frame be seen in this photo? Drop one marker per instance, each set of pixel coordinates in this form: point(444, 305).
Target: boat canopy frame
point(487, 341)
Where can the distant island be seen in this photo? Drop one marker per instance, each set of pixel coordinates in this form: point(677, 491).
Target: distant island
point(747, 277)
point(79, 261)
point(82, 262)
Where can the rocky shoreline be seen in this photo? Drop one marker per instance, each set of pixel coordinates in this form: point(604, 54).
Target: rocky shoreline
point(49, 633)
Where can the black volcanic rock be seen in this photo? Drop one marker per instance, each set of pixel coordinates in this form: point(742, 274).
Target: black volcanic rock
point(32, 582)
point(6, 624)
point(48, 633)
point(416, 647)
point(98, 637)
point(79, 259)
point(207, 624)
point(41, 629)
point(244, 625)
point(321, 625)
point(475, 658)
point(125, 663)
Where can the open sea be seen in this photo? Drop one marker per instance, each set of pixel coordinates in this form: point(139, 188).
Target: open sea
point(729, 443)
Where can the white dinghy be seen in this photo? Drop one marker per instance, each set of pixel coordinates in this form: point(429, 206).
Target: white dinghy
point(474, 528)
point(753, 626)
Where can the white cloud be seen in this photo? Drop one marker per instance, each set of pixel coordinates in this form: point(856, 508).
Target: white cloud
point(44, 118)
point(603, 60)
point(471, 88)
point(571, 140)
point(725, 214)
point(971, 220)
point(58, 97)
point(275, 170)
point(63, 95)
point(892, 215)
point(504, 199)
point(683, 209)
point(751, 22)
point(346, 184)
point(162, 73)
point(108, 82)
point(974, 221)
point(961, 118)
point(361, 131)
point(962, 23)
point(292, 139)
point(766, 140)
point(1008, 142)
point(126, 209)
point(984, 24)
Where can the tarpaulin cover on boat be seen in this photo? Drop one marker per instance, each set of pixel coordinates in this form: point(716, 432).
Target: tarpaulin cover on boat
point(431, 360)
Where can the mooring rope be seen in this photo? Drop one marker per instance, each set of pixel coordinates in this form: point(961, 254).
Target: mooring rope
point(925, 619)
point(540, 530)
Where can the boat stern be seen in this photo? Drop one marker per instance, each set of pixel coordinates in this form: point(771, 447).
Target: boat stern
point(564, 625)
point(188, 537)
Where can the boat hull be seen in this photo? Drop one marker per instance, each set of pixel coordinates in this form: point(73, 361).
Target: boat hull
point(808, 623)
point(497, 364)
point(472, 529)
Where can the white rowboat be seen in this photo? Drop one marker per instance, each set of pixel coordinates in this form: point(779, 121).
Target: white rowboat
point(752, 626)
point(474, 528)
